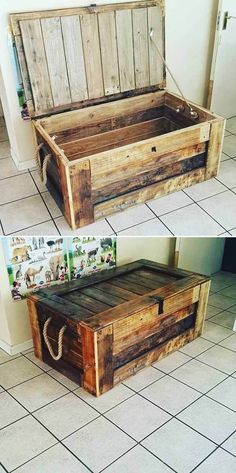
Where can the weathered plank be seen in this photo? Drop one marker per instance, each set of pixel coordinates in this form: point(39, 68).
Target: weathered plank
point(74, 57)
point(37, 64)
point(215, 148)
point(107, 34)
point(92, 55)
point(125, 49)
point(202, 307)
point(80, 181)
point(148, 193)
point(52, 37)
point(34, 323)
point(90, 360)
point(156, 24)
point(140, 39)
point(105, 359)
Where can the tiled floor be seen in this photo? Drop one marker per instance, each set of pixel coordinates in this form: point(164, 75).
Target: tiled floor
point(178, 415)
point(208, 208)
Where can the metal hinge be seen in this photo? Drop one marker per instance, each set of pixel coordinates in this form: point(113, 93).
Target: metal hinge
point(226, 18)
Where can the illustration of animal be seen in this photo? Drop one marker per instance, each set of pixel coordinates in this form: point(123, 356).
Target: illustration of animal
point(92, 253)
point(78, 251)
point(19, 273)
point(58, 243)
point(106, 243)
point(30, 275)
point(41, 242)
point(50, 244)
point(21, 254)
point(17, 240)
point(48, 276)
point(35, 243)
point(55, 263)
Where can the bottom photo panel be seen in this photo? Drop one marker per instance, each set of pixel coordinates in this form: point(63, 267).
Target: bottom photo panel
point(117, 354)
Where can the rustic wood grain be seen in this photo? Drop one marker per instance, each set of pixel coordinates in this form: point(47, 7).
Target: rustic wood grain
point(215, 148)
point(74, 57)
point(107, 34)
point(80, 181)
point(35, 329)
point(140, 41)
point(156, 23)
point(125, 49)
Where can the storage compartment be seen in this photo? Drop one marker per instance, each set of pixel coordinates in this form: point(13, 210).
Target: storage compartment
point(117, 322)
point(94, 82)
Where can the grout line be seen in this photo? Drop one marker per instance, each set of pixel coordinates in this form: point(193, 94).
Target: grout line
point(106, 219)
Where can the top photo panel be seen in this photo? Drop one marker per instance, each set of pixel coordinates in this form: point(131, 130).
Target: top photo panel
point(118, 119)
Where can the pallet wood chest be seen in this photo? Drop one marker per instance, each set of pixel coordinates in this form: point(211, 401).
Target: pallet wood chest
point(117, 322)
point(95, 88)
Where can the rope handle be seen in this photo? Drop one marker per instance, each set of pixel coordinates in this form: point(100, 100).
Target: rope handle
point(60, 339)
point(42, 170)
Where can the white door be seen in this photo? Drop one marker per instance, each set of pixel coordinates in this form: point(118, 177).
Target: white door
point(223, 74)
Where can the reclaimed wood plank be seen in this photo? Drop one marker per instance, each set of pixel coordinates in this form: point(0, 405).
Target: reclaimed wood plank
point(148, 193)
point(90, 360)
point(36, 63)
point(89, 303)
point(215, 148)
point(92, 55)
point(80, 180)
point(53, 43)
point(140, 39)
point(202, 307)
point(74, 57)
point(124, 294)
point(155, 23)
point(98, 295)
point(155, 354)
point(35, 329)
point(24, 72)
point(108, 42)
point(105, 359)
point(125, 49)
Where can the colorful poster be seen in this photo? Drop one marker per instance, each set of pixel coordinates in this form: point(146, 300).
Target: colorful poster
point(35, 262)
point(91, 254)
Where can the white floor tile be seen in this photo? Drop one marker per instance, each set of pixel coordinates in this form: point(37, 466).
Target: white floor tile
point(229, 147)
point(196, 347)
point(205, 189)
point(138, 460)
point(5, 151)
point(225, 393)
point(231, 125)
point(233, 232)
point(3, 133)
point(222, 208)
point(108, 400)
point(41, 187)
point(225, 318)
point(215, 333)
point(10, 410)
point(222, 302)
point(143, 378)
point(230, 444)
point(230, 343)
point(98, 444)
point(229, 291)
point(17, 187)
point(211, 311)
point(130, 217)
point(22, 214)
point(6, 357)
point(179, 446)
point(51, 205)
point(63, 380)
point(23, 440)
point(169, 203)
point(191, 221)
point(209, 418)
point(198, 376)
point(37, 362)
point(55, 460)
point(101, 227)
point(66, 415)
point(227, 174)
point(138, 417)
point(37, 392)
point(8, 168)
point(46, 229)
point(17, 371)
point(149, 228)
point(171, 362)
point(219, 461)
point(170, 395)
point(225, 157)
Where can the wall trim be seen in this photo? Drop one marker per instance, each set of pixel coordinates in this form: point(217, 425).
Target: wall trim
point(22, 165)
point(15, 349)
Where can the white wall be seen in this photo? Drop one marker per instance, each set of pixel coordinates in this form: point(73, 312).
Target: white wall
point(189, 39)
point(153, 248)
point(202, 255)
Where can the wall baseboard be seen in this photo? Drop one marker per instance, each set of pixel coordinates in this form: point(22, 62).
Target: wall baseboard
point(15, 349)
point(22, 165)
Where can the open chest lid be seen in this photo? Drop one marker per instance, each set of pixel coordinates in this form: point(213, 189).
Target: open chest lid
point(71, 58)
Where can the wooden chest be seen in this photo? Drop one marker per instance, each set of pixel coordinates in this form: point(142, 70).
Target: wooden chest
point(117, 322)
point(113, 136)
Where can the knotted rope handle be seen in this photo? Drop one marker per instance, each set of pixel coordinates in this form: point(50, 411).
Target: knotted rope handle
point(42, 169)
point(60, 339)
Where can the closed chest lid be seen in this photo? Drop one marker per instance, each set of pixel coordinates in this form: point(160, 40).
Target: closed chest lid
point(80, 56)
point(109, 296)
